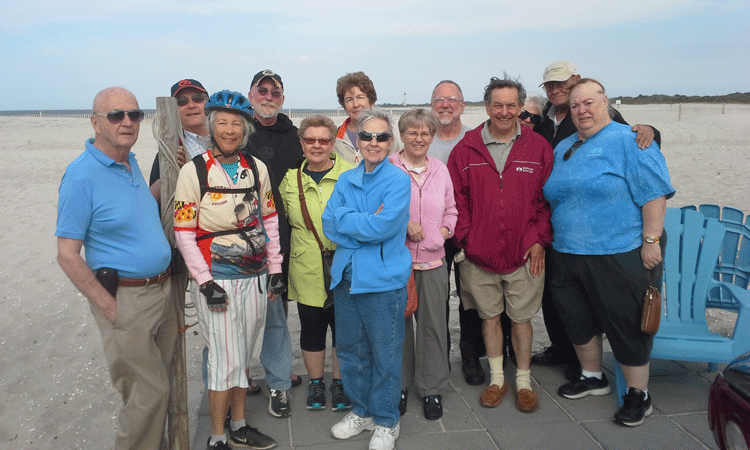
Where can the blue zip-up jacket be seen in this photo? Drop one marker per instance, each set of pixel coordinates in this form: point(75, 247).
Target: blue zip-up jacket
point(374, 243)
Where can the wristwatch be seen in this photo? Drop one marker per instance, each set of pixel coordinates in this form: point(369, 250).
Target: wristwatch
point(650, 239)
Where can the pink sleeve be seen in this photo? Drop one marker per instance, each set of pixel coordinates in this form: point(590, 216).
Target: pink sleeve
point(192, 255)
point(273, 246)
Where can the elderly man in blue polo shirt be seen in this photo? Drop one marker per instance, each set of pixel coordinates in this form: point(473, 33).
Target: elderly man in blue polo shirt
point(105, 205)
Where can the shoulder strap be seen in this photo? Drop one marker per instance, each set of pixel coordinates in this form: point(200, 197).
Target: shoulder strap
point(306, 213)
point(200, 169)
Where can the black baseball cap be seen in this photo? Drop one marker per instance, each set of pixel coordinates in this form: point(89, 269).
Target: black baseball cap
point(268, 73)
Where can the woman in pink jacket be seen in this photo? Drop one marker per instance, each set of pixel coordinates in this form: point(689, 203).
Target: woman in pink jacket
point(432, 220)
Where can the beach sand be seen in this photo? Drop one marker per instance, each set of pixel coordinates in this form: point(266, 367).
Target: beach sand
point(55, 390)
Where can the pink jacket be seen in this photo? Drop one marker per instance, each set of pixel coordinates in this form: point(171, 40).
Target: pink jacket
point(433, 207)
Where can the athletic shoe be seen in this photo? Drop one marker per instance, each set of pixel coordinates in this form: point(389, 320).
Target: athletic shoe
point(339, 400)
point(384, 438)
point(296, 380)
point(316, 395)
point(352, 425)
point(220, 445)
point(278, 404)
point(402, 403)
point(635, 408)
point(584, 387)
point(249, 437)
point(433, 407)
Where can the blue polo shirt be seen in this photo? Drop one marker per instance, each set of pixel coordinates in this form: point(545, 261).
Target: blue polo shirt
point(596, 196)
point(111, 210)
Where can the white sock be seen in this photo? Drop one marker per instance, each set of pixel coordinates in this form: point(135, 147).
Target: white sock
point(237, 425)
point(587, 374)
point(523, 379)
point(496, 371)
point(217, 438)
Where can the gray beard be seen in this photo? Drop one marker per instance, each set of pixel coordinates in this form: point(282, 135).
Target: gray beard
point(445, 121)
point(258, 112)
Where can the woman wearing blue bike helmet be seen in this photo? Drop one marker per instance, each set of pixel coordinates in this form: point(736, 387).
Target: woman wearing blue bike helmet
point(227, 230)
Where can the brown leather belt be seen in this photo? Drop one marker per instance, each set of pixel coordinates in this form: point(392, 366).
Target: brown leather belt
point(139, 282)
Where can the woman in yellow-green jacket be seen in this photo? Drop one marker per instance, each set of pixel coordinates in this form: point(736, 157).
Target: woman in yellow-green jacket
point(318, 175)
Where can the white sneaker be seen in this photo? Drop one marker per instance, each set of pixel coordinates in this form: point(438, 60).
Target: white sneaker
point(384, 438)
point(352, 425)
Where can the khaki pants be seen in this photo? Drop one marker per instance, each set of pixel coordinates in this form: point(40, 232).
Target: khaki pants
point(139, 348)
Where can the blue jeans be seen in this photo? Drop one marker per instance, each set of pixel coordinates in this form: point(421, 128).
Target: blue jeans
point(276, 355)
point(369, 342)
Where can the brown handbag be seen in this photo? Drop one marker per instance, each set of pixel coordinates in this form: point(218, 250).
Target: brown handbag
point(651, 314)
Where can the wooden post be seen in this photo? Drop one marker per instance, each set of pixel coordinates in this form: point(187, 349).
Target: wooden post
point(167, 129)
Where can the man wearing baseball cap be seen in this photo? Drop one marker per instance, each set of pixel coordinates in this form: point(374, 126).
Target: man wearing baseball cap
point(556, 125)
point(191, 98)
point(276, 143)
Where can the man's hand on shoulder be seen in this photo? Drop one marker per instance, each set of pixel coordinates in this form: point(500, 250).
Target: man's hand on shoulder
point(644, 135)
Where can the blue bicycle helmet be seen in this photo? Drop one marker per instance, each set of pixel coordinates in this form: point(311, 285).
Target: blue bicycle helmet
point(231, 101)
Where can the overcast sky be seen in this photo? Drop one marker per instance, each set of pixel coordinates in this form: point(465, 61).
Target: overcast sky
point(58, 54)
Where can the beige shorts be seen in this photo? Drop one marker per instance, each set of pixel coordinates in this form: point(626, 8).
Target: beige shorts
point(517, 293)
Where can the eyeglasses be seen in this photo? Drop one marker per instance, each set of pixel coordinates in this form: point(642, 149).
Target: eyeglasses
point(552, 85)
point(196, 98)
point(380, 137)
point(572, 149)
point(264, 91)
point(536, 119)
point(312, 141)
point(118, 115)
point(453, 101)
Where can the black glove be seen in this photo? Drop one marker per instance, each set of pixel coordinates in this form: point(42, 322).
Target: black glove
point(276, 284)
point(216, 297)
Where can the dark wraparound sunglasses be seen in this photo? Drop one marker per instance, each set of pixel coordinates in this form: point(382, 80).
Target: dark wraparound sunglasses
point(572, 149)
point(536, 119)
point(380, 137)
point(118, 115)
point(196, 98)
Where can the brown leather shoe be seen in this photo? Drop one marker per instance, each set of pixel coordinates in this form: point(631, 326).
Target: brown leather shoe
point(493, 395)
point(527, 401)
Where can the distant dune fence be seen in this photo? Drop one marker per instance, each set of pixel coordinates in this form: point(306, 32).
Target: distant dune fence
point(67, 114)
point(674, 111)
point(680, 111)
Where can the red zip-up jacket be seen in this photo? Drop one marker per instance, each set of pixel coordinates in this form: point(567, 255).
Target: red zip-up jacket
point(501, 215)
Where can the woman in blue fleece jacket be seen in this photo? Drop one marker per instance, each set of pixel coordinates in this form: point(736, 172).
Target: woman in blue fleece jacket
point(367, 216)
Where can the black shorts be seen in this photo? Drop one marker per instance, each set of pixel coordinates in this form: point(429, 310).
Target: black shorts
point(314, 322)
point(597, 294)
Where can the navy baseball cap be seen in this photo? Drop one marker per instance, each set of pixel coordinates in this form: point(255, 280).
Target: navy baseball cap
point(187, 83)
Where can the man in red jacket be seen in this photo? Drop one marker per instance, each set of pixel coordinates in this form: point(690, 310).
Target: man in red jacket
point(498, 171)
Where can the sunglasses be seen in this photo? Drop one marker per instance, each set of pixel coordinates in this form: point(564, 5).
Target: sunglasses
point(312, 141)
point(572, 149)
point(264, 91)
point(196, 98)
point(118, 115)
point(380, 137)
point(536, 119)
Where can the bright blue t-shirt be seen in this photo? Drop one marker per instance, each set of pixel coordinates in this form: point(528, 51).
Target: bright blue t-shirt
point(112, 210)
point(596, 196)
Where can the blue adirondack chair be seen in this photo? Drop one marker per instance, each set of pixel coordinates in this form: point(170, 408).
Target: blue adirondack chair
point(693, 247)
point(734, 259)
